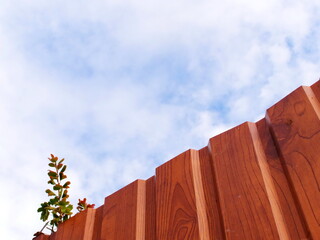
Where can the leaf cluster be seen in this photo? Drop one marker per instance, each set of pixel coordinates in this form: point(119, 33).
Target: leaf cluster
point(58, 206)
point(83, 205)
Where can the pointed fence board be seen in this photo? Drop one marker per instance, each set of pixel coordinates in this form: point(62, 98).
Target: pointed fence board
point(79, 227)
point(97, 223)
point(243, 182)
point(295, 225)
point(151, 209)
point(316, 90)
point(295, 124)
point(180, 199)
point(255, 181)
point(210, 194)
point(124, 213)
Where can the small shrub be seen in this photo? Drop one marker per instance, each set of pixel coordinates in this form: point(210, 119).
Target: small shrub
point(58, 209)
point(58, 205)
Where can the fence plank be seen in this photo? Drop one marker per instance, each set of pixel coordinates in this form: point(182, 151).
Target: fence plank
point(181, 213)
point(296, 227)
point(83, 225)
point(42, 237)
point(245, 190)
point(211, 197)
point(122, 214)
point(97, 223)
point(296, 127)
point(78, 227)
point(65, 229)
point(151, 208)
point(316, 89)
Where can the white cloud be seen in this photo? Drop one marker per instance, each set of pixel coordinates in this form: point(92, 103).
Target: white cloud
point(119, 87)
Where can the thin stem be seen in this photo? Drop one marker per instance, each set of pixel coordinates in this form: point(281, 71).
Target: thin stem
point(44, 226)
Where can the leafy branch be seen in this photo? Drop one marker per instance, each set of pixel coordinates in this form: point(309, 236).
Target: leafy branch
point(58, 205)
point(58, 208)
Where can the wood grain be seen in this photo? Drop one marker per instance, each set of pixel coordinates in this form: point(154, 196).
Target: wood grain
point(97, 223)
point(295, 125)
point(295, 225)
point(211, 198)
point(83, 225)
point(181, 213)
point(65, 229)
point(151, 208)
point(78, 227)
point(316, 89)
point(242, 181)
point(123, 213)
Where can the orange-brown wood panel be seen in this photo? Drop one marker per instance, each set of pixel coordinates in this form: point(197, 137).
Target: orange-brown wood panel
point(42, 237)
point(246, 193)
point(295, 225)
point(124, 213)
point(316, 89)
point(211, 197)
point(52, 236)
point(79, 227)
point(181, 213)
point(64, 230)
point(295, 125)
point(97, 223)
point(151, 209)
point(83, 225)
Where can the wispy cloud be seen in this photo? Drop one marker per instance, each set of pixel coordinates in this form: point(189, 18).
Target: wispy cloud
point(119, 87)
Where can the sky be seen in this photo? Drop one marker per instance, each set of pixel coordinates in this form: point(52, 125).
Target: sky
point(119, 87)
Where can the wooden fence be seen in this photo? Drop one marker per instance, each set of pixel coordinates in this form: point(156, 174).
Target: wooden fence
point(256, 181)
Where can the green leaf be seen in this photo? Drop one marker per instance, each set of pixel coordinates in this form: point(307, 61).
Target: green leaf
point(61, 161)
point(52, 174)
point(49, 208)
point(53, 201)
point(50, 193)
point(70, 207)
point(53, 158)
point(51, 165)
point(62, 176)
point(51, 181)
point(63, 169)
point(65, 196)
point(57, 187)
point(66, 185)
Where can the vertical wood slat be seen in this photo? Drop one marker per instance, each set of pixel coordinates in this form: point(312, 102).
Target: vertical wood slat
point(295, 225)
point(181, 213)
point(295, 124)
point(65, 230)
point(216, 230)
point(151, 209)
point(79, 227)
point(242, 179)
point(123, 214)
point(316, 89)
point(97, 223)
point(83, 225)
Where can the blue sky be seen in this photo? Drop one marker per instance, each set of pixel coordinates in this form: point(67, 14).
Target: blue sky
point(119, 87)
